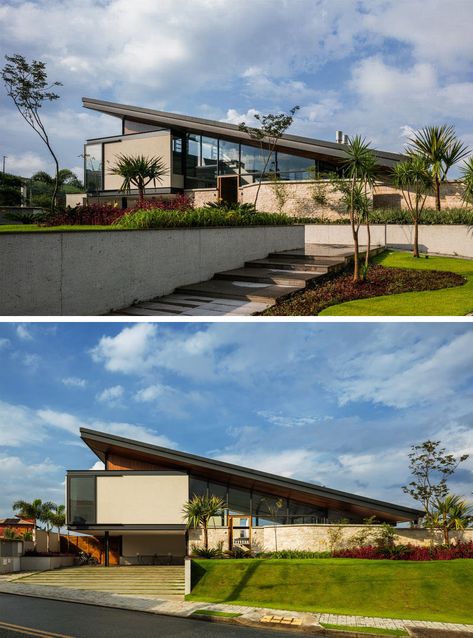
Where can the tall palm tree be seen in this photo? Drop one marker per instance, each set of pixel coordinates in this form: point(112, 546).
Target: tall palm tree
point(413, 175)
point(37, 510)
point(360, 170)
point(138, 171)
point(199, 510)
point(58, 519)
point(441, 148)
point(452, 513)
point(467, 178)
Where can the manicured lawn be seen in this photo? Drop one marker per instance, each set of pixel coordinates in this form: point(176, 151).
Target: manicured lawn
point(433, 590)
point(211, 612)
point(456, 301)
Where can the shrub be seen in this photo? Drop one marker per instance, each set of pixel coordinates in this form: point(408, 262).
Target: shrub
point(294, 554)
point(408, 552)
point(397, 216)
point(211, 552)
point(199, 217)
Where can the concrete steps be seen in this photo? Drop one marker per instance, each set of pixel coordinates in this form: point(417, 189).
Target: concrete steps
point(145, 580)
point(258, 285)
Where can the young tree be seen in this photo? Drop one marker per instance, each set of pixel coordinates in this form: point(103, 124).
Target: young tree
point(42, 186)
point(467, 178)
point(272, 128)
point(10, 190)
point(58, 519)
point(27, 85)
point(413, 176)
point(441, 149)
point(37, 510)
point(451, 513)
point(360, 173)
point(199, 510)
point(430, 467)
point(138, 171)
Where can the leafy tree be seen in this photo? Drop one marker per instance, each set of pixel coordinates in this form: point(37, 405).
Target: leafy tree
point(360, 172)
point(138, 171)
point(11, 534)
point(451, 513)
point(467, 178)
point(10, 190)
point(58, 519)
point(42, 186)
point(441, 149)
point(27, 85)
point(272, 128)
point(38, 511)
point(199, 510)
point(430, 467)
point(413, 176)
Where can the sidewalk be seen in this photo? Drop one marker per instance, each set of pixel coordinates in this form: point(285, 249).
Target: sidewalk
point(309, 622)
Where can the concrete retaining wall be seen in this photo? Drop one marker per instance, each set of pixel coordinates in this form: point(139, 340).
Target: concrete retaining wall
point(321, 538)
point(91, 273)
point(455, 240)
point(43, 563)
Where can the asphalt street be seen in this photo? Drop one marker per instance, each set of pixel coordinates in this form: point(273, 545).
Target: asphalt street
point(21, 616)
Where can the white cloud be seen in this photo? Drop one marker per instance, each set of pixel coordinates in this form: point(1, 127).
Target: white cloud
point(23, 332)
point(4, 343)
point(111, 395)
point(74, 382)
point(153, 392)
point(98, 465)
point(130, 351)
point(25, 164)
point(286, 421)
point(285, 463)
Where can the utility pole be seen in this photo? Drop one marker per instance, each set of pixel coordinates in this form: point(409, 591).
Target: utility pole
point(4, 158)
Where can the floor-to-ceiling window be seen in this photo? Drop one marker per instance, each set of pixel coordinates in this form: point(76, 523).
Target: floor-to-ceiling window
point(93, 167)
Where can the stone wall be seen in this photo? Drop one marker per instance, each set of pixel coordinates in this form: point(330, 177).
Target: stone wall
point(305, 198)
point(320, 538)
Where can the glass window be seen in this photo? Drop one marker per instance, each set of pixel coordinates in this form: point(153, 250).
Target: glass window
point(268, 509)
point(177, 157)
point(252, 163)
point(300, 513)
point(239, 501)
point(207, 170)
point(292, 167)
point(197, 487)
point(81, 500)
point(229, 158)
point(93, 168)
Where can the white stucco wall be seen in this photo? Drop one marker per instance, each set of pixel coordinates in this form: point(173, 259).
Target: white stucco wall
point(91, 273)
point(139, 499)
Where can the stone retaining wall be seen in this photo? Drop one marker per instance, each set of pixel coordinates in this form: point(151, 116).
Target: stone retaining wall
point(321, 538)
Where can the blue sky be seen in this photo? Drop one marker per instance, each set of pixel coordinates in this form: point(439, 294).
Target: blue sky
point(376, 67)
point(339, 404)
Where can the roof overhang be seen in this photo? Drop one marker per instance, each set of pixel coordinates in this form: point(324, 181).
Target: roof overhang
point(184, 123)
point(103, 444)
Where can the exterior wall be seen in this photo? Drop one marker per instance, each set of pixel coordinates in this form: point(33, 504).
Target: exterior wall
point(162, 544)
point(151, 144)
point(42, 541)
point(300, 198)
point(75, 199)
point(116, 462)
point(200, 196)
point(94, 272)
point(454, 240)
point(43, 563)
point(10, 552)
point(316, 538)
point(141, 499)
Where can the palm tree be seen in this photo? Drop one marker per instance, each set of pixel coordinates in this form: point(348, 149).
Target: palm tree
point(58, 519)
point(199, 510)
point(452, 513)
point(360, 169)
point(37, 510)
point(414, 175)
point(441, 149)
point(467, 177)
point(138, 171)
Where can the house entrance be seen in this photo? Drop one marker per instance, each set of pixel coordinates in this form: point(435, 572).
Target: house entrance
point(239, 531)
point(227, 186)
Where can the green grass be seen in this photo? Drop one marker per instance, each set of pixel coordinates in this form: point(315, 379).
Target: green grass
point(456, 301)
point(212, 612)
point(434, 590)
point(378, 631)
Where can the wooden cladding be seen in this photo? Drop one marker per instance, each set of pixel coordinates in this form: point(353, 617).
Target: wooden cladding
point(116, 462)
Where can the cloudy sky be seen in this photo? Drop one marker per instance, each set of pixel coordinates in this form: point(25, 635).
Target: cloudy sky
point(337, 404)
point(374, 67)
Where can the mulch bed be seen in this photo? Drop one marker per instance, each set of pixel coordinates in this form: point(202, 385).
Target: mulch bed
point(379, 281)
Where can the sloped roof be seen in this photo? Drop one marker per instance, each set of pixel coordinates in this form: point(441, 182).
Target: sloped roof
point(186, 123)
point(103, 444)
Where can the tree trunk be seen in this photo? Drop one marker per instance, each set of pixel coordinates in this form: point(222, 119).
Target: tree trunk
point(356, 264)
point(416, 239)
point(368, 248)
point(47, 541)
point(446, 537)
point(206, 537)
point(56, 185)
point(437, 193)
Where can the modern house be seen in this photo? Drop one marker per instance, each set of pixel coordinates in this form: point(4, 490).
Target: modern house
point(135, 504)
point(202, 155)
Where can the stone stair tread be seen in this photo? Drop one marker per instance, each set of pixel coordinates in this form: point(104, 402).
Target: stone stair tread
point(268, 275)
point(241, 290)
point(292, 265)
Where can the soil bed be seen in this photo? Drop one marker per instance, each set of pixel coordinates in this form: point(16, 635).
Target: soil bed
point(379, 281)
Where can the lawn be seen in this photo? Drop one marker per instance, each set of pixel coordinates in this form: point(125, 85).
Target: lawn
point(457, 301)
point(434, 590)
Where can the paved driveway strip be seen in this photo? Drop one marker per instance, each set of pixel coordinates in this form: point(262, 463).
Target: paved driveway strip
point(177, 606)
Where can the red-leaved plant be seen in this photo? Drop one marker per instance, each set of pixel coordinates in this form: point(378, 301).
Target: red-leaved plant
point(408, 552)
